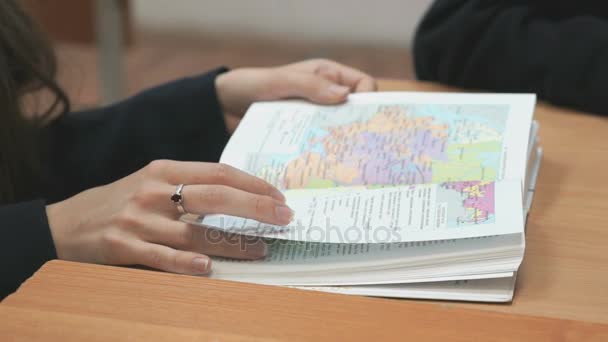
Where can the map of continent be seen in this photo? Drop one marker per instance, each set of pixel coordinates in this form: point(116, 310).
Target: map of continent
point(399, 145)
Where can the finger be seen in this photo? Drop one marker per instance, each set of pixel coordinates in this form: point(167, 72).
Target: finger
point(356, 80)
point(313, 87)
point(331, 74)
point(366, 84)
point(178, 172)
point(221, 199)
point(168, 259)
point(188, 237)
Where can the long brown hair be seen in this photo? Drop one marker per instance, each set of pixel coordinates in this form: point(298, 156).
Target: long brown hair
point(27, 65)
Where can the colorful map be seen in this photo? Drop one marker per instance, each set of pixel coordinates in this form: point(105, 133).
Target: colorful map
point(384, 145)
point(477, 198)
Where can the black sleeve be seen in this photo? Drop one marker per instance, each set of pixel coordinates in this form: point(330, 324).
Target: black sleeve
point(181, 120)
point(26, 243)
point(552, 48)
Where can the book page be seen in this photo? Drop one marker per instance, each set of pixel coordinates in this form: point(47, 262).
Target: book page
point(486, 290)
point(303, 263)
point(422, 212)
point(289, 259)
point(535, 168)
point(338, 256)
point(384, 139)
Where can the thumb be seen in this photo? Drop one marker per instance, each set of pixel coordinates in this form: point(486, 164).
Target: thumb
point(315, 88)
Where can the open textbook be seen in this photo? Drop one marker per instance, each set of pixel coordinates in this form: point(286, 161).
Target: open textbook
point(395, 194)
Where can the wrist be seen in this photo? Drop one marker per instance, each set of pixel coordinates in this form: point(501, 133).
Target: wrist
point(225, 98)
point(221, 87)
point(58, 222)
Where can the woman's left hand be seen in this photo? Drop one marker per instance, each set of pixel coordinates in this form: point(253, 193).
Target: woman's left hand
point(318, 80)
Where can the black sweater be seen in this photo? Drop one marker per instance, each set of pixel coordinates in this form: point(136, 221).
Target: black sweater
point(555, 48)
point(181, 120)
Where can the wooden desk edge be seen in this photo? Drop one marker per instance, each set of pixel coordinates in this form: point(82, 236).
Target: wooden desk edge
point(60, 268)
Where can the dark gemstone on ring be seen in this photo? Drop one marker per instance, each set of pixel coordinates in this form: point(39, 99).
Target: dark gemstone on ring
point(176, 198)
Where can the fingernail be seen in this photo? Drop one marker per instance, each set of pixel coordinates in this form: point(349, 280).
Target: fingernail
point(283, 213)
point(338, 90)
point(201, 264)
point(276, 194)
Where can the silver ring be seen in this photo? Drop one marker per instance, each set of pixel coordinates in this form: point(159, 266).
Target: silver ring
point(178, 199)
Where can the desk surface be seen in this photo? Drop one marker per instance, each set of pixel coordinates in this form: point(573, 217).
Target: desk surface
point(562, 290)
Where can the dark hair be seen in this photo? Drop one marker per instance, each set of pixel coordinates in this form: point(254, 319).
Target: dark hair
point(27, 66)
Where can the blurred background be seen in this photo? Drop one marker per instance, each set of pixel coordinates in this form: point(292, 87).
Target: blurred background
point(109, 49)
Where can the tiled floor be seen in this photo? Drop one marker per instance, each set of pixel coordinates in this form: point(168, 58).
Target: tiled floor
point(155, 58)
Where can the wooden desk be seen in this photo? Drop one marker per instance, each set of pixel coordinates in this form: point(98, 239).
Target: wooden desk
point(562, 291)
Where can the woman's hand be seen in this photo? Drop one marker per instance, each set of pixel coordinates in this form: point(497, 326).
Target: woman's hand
point(134, 221)
point(318, 80)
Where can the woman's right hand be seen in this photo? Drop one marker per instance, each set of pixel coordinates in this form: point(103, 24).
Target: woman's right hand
point(133, 220)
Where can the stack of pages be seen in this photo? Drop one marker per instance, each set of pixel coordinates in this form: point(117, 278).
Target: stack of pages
point(396, 194)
